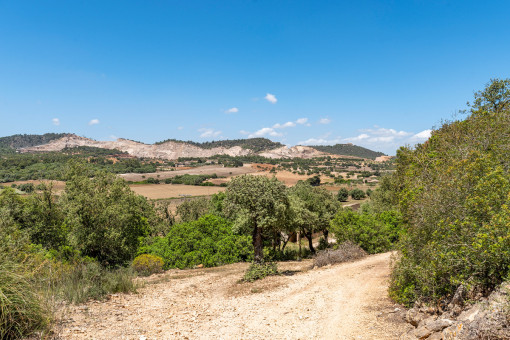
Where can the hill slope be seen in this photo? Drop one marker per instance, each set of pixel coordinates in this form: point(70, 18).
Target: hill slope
point(348, 150)
point(174, 149)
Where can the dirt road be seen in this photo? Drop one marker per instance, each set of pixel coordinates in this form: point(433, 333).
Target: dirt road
point(346, 301)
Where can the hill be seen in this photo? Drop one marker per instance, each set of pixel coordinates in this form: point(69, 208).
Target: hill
point(254, 144)
point(348, 150)
point(11, 143)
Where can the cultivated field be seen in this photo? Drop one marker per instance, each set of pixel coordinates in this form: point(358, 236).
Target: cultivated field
point(160, 191)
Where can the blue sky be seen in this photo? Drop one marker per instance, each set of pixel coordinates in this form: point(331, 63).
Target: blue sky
point(375, 73)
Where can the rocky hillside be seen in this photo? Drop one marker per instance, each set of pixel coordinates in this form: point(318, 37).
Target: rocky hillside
point(173, 149)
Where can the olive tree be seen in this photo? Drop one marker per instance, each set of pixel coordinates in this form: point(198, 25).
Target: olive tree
point(258, 204)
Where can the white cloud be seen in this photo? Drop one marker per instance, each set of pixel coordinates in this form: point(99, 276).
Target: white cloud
point(421, 136)
point(320, 141)
point(324, 121)
point(267, 131)
point(285, 125)
point(94, 121)
point(180, 128)
point(55, 121)
point(302, 121)
point(209, 133)
point(232, 110)
point(271, 98)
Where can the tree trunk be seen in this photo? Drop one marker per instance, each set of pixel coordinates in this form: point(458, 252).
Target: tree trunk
point(257, 245)
point(308, 235)
point(326, 233)
point(299, 242)
point(285, 241)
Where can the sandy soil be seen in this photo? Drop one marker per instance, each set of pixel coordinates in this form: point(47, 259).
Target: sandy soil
point(160, 191)
point(346, 301)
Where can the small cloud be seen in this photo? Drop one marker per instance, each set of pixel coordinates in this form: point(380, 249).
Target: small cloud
point(284, 125)
point(320, 141)
point(232, 110)
point(421, 136)
point(265, 132)
point(94, 122)
point(55, 121)
point(324, 121)
point(209, 133)
point(302, 121)
point(180, 128)
point(271, 98)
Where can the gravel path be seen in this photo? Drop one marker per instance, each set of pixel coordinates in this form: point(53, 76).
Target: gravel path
point(346, 301)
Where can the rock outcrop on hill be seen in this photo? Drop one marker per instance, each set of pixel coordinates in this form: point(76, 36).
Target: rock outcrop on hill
point(170, 150)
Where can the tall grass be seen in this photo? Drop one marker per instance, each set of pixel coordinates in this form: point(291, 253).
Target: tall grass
point(22, 310)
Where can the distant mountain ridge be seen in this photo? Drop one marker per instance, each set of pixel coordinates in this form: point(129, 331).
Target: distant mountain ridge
point(254, 144)
point(172, 149)
point(348, 150)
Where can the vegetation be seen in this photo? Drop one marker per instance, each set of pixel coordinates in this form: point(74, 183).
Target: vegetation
point(9, 144)
point(453, 193)
point(147, 264)
point(348, 150)
point(208, 241)
point(347, 251)
point(258, 271)
point(254, 144)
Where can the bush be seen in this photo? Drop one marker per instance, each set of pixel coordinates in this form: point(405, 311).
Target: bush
point(147, 264)
point(208, 241)
point(21, 310)
point(258, 271)
point(343, 195)
point(347, 251)
point(374, 233)
point(357, 194)
point(453, 192)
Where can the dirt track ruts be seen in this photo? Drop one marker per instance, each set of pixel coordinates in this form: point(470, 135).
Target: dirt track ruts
point(346, 301)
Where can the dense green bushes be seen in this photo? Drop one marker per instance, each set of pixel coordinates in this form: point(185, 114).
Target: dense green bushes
point(208, 241)
point(454, 195)
point(374, 233)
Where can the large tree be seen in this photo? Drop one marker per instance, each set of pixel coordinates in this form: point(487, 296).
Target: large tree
point(312, 210)
point(259, 204)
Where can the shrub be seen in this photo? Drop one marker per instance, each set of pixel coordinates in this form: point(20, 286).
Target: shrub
point(147, 264)
point(347, 251)
point(357, 194)
point(21, 310)
point(208, 241)
point(374, 233)
point(343, 195)
point(453, 192)
point(258, 271)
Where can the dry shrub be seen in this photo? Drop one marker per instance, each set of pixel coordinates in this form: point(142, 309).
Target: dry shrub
point(347, 251)
point(147, 264)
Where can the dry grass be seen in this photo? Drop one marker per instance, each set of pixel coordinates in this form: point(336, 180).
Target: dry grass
point(160, 191)
point(347, 251)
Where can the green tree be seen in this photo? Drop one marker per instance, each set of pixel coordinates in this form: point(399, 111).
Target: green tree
point(343, 195)
point(312, 210)
point(258, 204)
point(193, 209)
point(357, 194)
point(106, 219)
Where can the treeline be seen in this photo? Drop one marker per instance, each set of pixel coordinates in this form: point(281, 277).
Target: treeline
point(50, 165)
point(348, 150)
point(9, 144)
point(254, 144)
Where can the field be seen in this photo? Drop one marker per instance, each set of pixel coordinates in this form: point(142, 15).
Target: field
point(160, 191)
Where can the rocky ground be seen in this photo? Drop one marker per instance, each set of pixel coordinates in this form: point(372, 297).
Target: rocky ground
point(346, 301)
